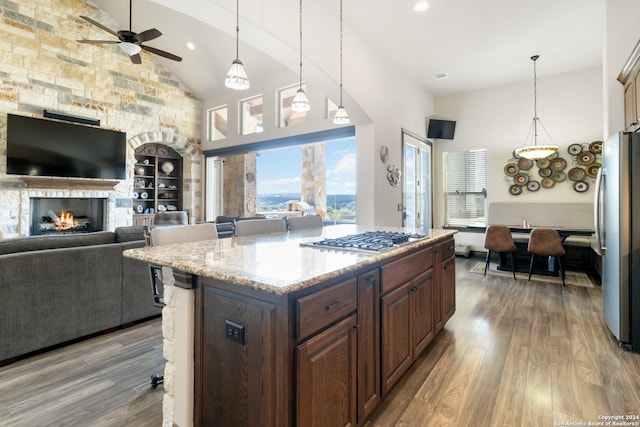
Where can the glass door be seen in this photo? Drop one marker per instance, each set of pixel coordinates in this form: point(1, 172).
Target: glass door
point(416, 181)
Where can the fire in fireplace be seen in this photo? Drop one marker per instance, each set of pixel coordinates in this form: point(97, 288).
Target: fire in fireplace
point(66, 215)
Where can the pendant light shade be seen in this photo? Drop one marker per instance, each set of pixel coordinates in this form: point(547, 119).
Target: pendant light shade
point(236, 77)
point(341, 117)
point(300, 102)
point(535, 151)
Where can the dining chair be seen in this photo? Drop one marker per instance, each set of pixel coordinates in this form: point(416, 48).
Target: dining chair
point(497, 238)
point(260, 226)
point(546, 242)
point(171, 218)
point(169, 235)
point(307, 221)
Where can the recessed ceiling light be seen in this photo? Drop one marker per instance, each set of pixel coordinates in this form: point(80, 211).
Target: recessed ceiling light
point(421, 6)
point(440, 76)
point(191, 46)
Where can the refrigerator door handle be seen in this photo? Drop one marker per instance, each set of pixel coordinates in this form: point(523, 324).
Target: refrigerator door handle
point(598, 212)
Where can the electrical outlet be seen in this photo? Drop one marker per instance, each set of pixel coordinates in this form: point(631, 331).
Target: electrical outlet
point(234, 331)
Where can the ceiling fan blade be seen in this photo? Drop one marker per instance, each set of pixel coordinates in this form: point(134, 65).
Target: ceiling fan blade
point(161, 53)
point(145, 36)
point(99, 25)
point(98, 41)
point(136, 58)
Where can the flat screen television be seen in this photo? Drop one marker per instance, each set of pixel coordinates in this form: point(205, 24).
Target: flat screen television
point(41, 147)
point(441, 129)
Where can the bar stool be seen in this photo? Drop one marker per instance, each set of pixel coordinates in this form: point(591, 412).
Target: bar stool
point(498, 238)
point(546, 242)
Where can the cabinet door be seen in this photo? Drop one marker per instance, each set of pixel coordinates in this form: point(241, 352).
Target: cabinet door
point(449, 287)
point(630, 105)
point(326, 377)
point(438, 316)
point(368, 343)
point(422, 303)
point(396, 336)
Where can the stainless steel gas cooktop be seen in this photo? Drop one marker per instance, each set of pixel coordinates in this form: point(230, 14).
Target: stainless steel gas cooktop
point(370, 241)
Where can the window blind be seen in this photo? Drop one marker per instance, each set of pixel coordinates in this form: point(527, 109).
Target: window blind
point(465, 188)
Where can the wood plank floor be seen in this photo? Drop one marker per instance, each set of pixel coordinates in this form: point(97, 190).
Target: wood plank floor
point(516, 353)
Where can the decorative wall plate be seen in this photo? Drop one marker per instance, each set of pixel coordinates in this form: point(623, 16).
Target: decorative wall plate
point(533, 186)
point(576, 174)
point(140, 208)
point(586, 158)
point(521, 178)
point(384, 153)
point(548, 183)
point(592, 169)
point(545, 173)
point(525, 164)
point(135, 195)
point(515, 189)
point(575, 149)
point(144, 195)
point(543, 163)
point(553, 155)
point(580, 186)
point(558, 164)
point(559, 176)
point(511, 169)
point(596, 147)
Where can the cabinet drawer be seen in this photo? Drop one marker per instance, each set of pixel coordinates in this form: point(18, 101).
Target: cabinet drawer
point(324, 307)
point(400, 271)
point(448, 249)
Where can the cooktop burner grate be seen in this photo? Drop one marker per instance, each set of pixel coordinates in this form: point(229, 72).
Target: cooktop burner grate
point(370, 241)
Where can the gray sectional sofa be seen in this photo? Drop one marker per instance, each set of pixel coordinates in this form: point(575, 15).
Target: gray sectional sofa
point(55, 289)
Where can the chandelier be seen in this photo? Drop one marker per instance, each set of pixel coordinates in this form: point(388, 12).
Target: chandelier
point(535, 151)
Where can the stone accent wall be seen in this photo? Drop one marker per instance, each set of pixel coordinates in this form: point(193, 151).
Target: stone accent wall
point(313, 188)
point(43, 67)
point(240, 188)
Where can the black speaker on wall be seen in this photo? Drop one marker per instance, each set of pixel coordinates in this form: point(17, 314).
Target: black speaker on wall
point(441, 129)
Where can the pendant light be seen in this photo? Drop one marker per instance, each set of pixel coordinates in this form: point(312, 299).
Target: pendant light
point(237, 77)
point(535, 151)
point(341, 117)
point(300, 102)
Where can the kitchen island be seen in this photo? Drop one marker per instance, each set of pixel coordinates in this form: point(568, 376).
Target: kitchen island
point(266, 331)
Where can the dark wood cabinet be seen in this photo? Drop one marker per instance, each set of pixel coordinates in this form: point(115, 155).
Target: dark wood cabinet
point(445, 279)
point(326, 377)
point(630, 78)
point(157, 182)
point(407, 326)
point(321, 356)
point(368, 343)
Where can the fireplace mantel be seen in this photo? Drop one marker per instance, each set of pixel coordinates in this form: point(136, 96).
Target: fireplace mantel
point(69, 183)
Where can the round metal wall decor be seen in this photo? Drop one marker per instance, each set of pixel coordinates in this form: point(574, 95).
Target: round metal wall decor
point(533, 186)
point(393, 175)
point(596, 147)
point(575, 149)
point(515, 189)
point(580, 186)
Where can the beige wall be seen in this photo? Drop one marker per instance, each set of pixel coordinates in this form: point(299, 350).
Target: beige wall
point(43, 67)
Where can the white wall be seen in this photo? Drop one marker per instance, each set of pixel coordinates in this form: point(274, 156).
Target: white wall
point(570, 106)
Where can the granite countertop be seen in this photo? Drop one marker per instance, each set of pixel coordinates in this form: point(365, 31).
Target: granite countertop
point(275, 263)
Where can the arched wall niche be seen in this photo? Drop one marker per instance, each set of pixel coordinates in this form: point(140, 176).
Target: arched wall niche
point(192, 161)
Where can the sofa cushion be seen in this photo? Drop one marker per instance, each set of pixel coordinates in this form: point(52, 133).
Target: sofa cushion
point(37, 243)
point(130, 233)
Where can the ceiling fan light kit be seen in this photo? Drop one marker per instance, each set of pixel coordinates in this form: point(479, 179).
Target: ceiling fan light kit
point(535, 151)
point(130, 42)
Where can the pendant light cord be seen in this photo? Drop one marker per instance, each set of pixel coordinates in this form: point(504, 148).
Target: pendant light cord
point(300, 44)
point(534, 58)
point(237, 29)
point(341, 52)
point(130, 13)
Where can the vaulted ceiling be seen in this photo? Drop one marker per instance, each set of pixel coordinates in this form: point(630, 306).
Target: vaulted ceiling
point(476, 44)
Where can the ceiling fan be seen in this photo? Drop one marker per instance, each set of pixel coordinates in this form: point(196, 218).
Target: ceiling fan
point(130, 42)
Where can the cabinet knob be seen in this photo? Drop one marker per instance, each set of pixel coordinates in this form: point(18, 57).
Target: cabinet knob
point(414, 289)
point(333, 306)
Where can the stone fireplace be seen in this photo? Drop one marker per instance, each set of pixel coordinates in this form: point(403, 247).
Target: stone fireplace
point(66, 215)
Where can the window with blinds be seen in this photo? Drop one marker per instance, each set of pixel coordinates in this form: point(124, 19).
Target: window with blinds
point(465, 188)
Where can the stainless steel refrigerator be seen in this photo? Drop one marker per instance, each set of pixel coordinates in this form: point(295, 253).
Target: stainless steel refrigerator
point(617, 226)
